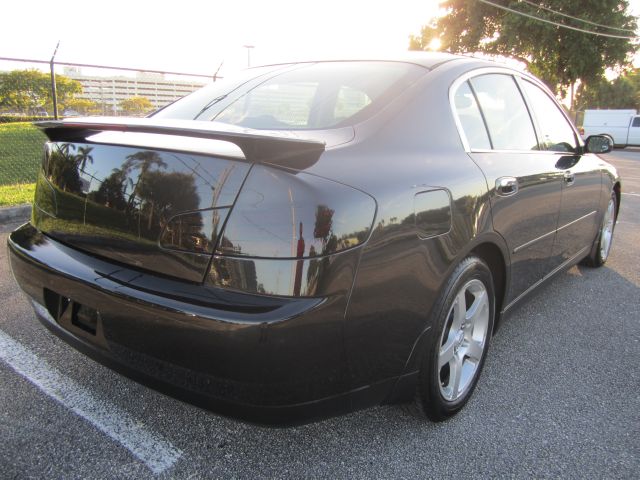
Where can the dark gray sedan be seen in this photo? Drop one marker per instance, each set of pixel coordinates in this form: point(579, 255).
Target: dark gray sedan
point(309, 239)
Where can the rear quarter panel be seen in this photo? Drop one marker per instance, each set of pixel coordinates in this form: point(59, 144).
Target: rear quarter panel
point(412, 146)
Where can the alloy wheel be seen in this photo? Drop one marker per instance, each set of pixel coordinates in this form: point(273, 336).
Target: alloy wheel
point(606, 233)
point(463, 340)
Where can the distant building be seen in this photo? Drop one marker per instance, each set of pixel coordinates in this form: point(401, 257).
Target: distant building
point(110, 91)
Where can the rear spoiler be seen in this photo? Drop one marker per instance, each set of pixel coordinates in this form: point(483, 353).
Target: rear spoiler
point(282, 148)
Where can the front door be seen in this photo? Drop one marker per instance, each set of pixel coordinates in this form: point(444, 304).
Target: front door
point(581, 182)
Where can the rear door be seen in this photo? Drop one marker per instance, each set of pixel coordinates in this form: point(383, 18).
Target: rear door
point(524, 183)
point(581, 177)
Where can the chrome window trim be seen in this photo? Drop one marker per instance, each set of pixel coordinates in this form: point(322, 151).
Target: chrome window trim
point(537, 152)
point(518, 76)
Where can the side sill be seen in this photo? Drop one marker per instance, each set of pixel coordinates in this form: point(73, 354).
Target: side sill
point(570, 262)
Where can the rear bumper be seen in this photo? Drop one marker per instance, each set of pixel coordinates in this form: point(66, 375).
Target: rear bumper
point(268, 360)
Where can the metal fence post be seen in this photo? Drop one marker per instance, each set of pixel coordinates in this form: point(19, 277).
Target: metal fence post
point(54, 96)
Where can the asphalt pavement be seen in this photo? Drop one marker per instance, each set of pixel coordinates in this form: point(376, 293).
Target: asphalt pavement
point(559, 398)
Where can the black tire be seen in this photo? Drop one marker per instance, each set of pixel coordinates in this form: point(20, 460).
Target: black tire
point(431, 393)
point(599, 251)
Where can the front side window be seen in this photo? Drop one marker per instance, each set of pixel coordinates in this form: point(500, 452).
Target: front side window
point(505, 112)
point(555, 131)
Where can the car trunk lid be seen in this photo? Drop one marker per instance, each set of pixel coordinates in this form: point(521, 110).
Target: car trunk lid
point(153, 195)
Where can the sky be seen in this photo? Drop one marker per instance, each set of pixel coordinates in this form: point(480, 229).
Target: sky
point(196, 36)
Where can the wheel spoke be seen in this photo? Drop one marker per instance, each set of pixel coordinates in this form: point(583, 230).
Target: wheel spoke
point(476, 308)
point(459, 311)
point(446, 352)
point(474, 351)
point(455, 375)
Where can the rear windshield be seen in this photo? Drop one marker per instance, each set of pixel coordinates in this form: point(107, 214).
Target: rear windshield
point(298, 97)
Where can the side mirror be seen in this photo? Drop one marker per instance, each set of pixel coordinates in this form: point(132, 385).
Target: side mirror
point(598, 144)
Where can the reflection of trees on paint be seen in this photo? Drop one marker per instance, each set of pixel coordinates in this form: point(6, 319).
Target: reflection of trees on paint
point(112, 191)
point(141, 161)
point(62, 169)
point(139, 195)
point(155, 196)
point(163, 195)
point(64, 166)
point(323, 229)
point(83, 157)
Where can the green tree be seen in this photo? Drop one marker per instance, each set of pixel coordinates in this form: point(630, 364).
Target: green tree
point(82, 106)
point(136, 106)
point(27, 91)
point(557, 55)
point(623, 92)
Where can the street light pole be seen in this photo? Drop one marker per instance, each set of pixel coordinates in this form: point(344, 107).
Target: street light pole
point(249, 47)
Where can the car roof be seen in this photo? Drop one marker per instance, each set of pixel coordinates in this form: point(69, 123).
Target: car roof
point(429, 60)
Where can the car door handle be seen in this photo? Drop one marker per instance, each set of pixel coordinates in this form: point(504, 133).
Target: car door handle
point(506, 186)
point(569, 178)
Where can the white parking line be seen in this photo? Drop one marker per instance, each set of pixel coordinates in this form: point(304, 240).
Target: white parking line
point(632, 194)
point(157, 453)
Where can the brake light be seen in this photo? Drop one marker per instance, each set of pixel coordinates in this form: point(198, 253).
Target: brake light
point(281, 223)
point(284, 215)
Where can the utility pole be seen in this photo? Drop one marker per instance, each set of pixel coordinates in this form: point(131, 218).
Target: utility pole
point(53, 82)
point(249, 47)
point(215, 75)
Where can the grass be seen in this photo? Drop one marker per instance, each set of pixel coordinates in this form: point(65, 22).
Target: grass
point(20, 157)
point(16, 194)
point(20, 152)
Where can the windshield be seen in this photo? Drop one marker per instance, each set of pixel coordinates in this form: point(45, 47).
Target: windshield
point(298, 97)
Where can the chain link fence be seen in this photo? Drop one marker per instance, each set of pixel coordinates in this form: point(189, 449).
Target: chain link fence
point(81, 90)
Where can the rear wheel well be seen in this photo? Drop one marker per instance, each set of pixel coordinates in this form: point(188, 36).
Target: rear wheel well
point(492, 256)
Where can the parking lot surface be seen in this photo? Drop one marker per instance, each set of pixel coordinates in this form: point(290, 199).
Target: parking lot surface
point(558, 399)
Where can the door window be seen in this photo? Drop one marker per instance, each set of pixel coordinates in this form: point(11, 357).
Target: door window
point(471, 119)
point(555, 131)
point(504, 110)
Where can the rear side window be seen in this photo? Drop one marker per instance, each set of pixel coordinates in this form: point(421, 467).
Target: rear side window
point(636, 122)
point(555, 131)
point(471, 119)
point(349, 102)
point(507, 117)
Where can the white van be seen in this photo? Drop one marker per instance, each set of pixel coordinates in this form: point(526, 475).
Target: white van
point(623, 126)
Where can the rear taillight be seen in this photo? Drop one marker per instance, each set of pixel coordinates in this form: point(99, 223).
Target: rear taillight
point(281, 222)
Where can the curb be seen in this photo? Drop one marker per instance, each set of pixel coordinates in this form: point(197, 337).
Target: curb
point(15, 214)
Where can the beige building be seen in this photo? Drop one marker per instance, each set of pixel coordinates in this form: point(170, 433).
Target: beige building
point(110, 91)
